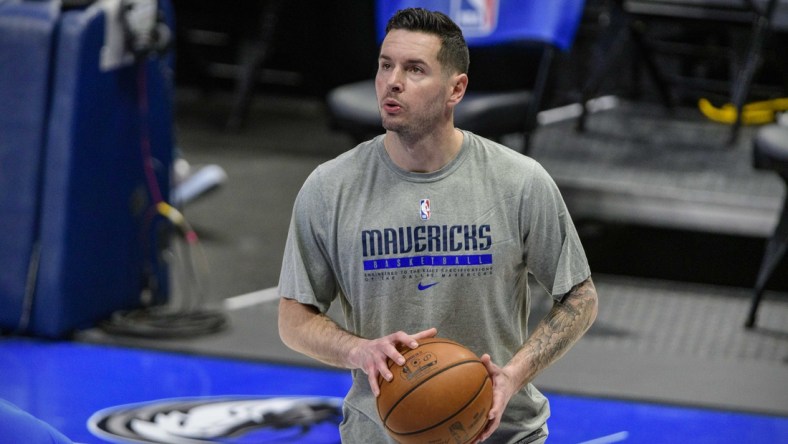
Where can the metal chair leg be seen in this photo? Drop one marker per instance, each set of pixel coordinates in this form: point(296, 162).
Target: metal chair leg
point(254, 53)
point(622, 30)
point(743, 81)
point(609, 49)
point(775, 250)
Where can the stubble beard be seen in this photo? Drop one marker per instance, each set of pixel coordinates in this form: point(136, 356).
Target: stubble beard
point(415, 127)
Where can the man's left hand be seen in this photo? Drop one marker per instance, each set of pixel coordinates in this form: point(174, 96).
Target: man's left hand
point(503, 390)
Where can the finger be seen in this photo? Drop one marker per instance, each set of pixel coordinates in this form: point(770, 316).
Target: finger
point(392, 353)
point(383, 368)
point(411, 341)
point(400, 338)
point(429, 333)
point(497, 407)
point(492, 369)
point(491, 427)
point(373, 384)
point(480, 437)
point(483, 434)
point(487, 361)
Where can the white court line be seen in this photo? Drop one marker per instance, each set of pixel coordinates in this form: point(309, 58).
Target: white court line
point(253, 298)
point(616, 437)
point(574, 110)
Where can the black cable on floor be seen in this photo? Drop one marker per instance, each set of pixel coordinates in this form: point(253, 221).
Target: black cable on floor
point(161, 323)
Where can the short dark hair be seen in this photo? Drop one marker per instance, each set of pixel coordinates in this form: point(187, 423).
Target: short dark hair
point(453, 53)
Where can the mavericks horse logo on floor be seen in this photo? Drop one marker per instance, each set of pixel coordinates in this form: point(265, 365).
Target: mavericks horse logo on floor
point(236, 419)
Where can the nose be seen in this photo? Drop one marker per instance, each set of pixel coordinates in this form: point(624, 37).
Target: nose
point(394, 81)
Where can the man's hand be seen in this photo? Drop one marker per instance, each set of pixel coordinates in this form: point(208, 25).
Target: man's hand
point(503, 390)
point(304, 329)
point(371, 355)
point(566, 322)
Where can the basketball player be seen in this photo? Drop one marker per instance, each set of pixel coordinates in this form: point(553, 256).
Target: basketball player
point(431, 230)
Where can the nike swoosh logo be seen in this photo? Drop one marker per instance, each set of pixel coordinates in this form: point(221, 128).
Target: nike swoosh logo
point(424, 287)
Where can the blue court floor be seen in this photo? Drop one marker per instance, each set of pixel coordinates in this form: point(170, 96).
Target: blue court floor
point(98, 394)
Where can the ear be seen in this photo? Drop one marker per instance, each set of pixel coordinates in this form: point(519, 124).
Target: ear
point(458, 84)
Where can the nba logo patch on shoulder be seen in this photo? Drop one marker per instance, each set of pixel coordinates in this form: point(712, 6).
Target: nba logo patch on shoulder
point(424, 209)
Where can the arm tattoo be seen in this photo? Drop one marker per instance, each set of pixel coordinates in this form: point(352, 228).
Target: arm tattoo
point(567, 321)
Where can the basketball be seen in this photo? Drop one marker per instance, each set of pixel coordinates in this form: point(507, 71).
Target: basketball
point(442, 394)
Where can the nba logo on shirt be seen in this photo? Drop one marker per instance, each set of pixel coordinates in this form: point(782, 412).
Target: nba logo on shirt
point(424, 209)
point(477, 18)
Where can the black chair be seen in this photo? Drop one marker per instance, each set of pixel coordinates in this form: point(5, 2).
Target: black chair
point(627, 24)
point(235, 39)
point(514, 29)
point(770, 152)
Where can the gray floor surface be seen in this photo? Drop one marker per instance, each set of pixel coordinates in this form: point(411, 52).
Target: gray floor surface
point(656, 339)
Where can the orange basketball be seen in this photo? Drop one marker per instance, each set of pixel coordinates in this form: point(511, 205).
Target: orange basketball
point(442, 394)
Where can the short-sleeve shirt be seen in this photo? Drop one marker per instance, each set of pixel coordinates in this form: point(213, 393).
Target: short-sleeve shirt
point(451, 249)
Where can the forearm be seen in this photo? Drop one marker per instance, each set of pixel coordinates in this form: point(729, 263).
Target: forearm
point(563, 326)
point(304, 329)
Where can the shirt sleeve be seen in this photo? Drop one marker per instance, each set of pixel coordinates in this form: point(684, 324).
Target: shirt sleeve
point(17, 425)
point(307, 274)
point(552, 249)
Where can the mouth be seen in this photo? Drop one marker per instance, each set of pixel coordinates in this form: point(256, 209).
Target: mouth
point(391, 106)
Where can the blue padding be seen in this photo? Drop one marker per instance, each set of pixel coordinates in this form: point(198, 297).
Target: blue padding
point(26, 35)
point(493, 22)
point(96, 219)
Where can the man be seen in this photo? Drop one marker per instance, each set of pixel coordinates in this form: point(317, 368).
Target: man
point(430, 230)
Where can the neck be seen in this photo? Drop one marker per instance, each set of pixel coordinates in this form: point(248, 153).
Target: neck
point(424, 154)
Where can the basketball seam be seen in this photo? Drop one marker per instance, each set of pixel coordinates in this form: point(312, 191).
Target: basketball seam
point(405, 395)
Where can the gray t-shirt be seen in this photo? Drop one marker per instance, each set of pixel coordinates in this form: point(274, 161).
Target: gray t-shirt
point(451, 249)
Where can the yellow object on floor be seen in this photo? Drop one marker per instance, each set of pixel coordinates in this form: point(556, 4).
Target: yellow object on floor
point(755, 113)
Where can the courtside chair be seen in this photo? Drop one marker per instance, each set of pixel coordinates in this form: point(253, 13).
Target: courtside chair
point(513, 45)
point(628, 21)
point(770, 152)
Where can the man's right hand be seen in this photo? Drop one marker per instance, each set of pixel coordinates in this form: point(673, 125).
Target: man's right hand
point(371, 355)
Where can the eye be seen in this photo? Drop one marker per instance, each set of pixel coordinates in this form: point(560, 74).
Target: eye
point(385, 66)
point(416, 69)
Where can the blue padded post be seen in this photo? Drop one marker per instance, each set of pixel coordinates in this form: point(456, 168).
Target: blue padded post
point(26, 40)
point(96, 216)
